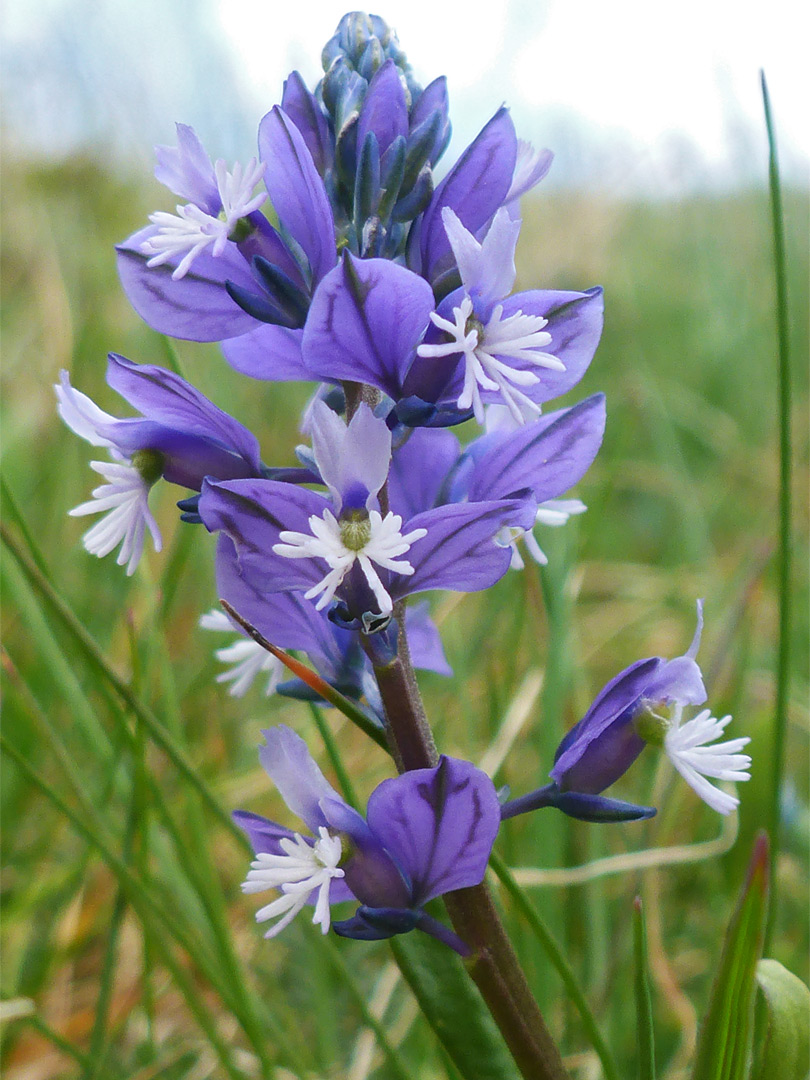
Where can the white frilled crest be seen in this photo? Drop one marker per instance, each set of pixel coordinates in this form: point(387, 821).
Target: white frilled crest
point(191, 230)
point(353, 461)
point(490, 343)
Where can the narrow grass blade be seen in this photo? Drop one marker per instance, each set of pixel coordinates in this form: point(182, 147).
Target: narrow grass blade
point(644, 1016)
point(93, 653)
point(396, 1063)
point(453, 1008)
point(785, 470)
point(724, 1042)
point(782, 1046)
point(148, 909)
point(11, 508)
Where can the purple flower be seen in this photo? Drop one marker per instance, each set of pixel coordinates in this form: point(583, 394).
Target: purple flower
point(642, 704)
point(427, 832)
point(217, 269)
point(370, 321)
point(487, 347)
point(474, 189)
point(293, 539)
point(180, 436)
point(545, 457)
point(289, 621)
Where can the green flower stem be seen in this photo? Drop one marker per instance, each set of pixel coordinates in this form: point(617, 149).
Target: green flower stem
point(493, 965)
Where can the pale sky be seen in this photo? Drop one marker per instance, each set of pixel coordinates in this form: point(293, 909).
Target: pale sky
point(651, 78)
point(632, 95)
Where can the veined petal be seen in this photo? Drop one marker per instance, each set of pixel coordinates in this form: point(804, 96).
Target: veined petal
point(459, 549)
point(439, 824)
point(474, 189)
point(352, 459)
point(366, 318)
point(295, 773)
point(530, 167)
point(167, 399)
point(82, 415)
point(187, 170)
point(195, 308)
point(547, 456)
point(488, 268)
point(297, 191)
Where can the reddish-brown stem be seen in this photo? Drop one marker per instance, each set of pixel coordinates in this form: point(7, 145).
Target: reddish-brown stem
point(493, 966)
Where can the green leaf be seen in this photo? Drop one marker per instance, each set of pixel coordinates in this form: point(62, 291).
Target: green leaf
point(641, 981)
point(782, 1024)
point(724, 1044)
point(453, 1007)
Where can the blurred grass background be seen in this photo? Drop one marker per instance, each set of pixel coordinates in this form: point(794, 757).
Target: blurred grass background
point(682, 503)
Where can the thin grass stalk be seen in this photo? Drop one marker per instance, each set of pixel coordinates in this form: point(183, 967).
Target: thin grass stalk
point(147, 908)
point(242, 1007)
point(785, 471)
point(93, 652)
point(60, 1042)
point(52, 659)
point(98, 1037)
point(202, 876)
point(10, 507)
point(645, 1036)
point(245, 1008)
point(103, 843)
point(398, 1066)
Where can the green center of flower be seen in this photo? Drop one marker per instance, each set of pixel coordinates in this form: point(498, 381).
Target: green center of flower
point(651, 726)
point(474, 324)
point(355, 529)
point(240, 230)
point(149, 464)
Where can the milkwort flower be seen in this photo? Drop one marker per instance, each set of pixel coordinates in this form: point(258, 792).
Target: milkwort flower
point(427, 832)
point(545, 457)
point(370, 319)
point(348, 167)
point(219, 269)
point(345, 547)
point(642, 704)
point(181, 436)
point(290, 622)
point(498, 350)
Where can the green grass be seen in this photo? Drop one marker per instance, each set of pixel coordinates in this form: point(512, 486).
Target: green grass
point(124, 922)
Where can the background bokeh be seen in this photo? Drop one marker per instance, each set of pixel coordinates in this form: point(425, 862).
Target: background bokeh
point(658, 193)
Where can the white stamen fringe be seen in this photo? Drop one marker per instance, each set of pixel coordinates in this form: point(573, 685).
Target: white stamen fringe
point(384, 544)
point(687, 748)
point(248, 658)
point(191, 230)
point(518, 337)
point(298, 872)
point(126, 497)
